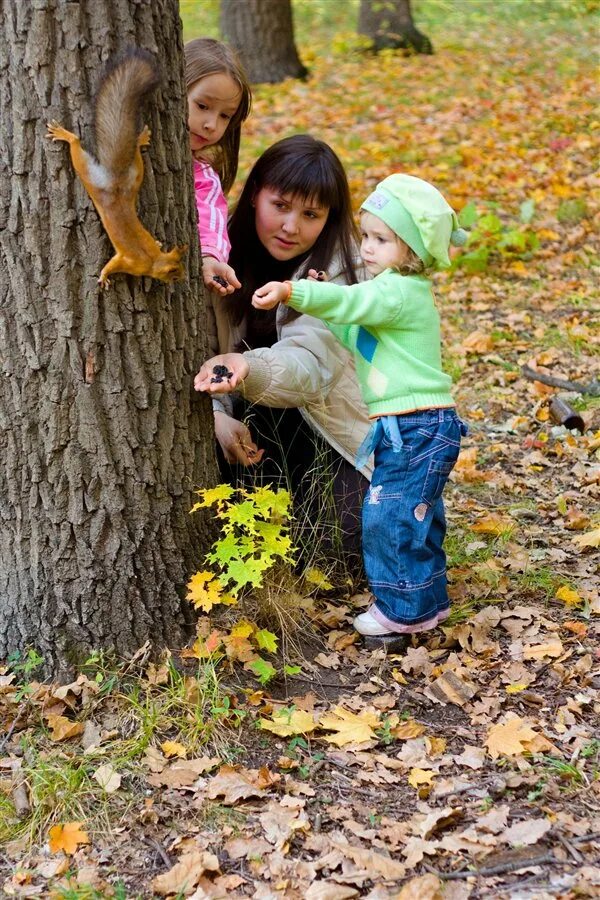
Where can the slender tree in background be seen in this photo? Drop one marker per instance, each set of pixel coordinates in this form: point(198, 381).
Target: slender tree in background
point(389, 23)
point(101, 436)
point(262, 32)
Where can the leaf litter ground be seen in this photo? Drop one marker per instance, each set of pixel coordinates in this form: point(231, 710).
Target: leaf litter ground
point(467, 766)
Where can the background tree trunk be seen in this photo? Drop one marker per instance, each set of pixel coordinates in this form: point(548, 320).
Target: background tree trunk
point(101, 437)
point(262, 32)
point(389, 23)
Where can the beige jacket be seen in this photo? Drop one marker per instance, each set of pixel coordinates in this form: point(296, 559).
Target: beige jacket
point(307, 368)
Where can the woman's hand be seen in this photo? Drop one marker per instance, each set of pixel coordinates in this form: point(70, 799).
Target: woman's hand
point(236, 441)
point(269, 295)
point(215, 273)
point(217, 382)
point(313, 275)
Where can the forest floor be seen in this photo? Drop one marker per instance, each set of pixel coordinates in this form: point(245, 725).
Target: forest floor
point(469, 765)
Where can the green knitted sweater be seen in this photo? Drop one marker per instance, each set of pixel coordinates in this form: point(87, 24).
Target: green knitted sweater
point(392, 326)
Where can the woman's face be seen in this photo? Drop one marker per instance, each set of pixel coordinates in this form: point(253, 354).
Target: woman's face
point(287, 225)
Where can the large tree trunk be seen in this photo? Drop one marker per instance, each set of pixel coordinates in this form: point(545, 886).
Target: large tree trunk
point(262, 32)
point(389, 23)
point(101, 437)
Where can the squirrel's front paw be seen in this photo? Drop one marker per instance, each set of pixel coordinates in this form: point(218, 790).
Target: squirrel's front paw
point(57, 133)
point(104, 282)
point(144, 137)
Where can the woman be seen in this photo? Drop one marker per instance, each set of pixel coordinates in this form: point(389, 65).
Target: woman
point(293, 217)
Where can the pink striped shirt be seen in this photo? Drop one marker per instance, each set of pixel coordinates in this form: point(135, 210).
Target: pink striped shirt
point(212, 212)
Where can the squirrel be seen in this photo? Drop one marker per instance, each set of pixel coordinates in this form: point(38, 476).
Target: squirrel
point(114, 179)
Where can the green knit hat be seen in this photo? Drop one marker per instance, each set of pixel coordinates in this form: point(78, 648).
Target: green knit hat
point(417, 213)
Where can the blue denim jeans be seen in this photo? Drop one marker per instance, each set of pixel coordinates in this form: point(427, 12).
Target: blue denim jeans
point(403, 519)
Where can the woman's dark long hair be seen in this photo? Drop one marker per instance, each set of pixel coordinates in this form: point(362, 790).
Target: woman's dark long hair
point(309, 169)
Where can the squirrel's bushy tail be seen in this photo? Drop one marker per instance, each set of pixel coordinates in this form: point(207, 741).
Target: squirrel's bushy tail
point(127, 79)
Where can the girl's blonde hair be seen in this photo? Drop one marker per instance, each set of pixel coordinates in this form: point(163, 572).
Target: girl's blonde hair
point(203, 57)
point(413, 264)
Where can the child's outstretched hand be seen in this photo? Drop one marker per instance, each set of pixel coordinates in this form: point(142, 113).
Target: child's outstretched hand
point(269, 295)
point(218, 276)
point(221, 374)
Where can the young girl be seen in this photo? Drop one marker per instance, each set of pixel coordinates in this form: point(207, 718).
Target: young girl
point(219, 99)
point(391, 325)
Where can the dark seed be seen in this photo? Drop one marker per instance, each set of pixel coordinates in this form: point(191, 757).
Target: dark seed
point(216, 380)
point(220, 281)
point(222, 370)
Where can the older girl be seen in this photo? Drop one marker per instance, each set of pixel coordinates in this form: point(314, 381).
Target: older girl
point(294, 216)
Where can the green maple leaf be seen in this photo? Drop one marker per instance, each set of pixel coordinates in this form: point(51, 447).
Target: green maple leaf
point(241, 514)
point(213, 495)
point(263, 670)
point(266, 640)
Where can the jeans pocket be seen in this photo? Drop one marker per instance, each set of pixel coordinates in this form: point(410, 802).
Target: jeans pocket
point(436, 478)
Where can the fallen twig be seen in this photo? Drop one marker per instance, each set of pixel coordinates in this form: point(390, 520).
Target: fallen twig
point(503, 869)
point(593, 388)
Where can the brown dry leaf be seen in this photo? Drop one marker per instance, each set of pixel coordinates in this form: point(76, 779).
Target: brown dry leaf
point(185, 874)
point(407, 730)
point(509, 738)
point(233, 784)
point(478, 342)
point(591, 539)
point(328, 660)
point(527, 832)
point(472, 757)
point(415, 849)
point(67, 837)
point(279, 822)
point(183, 773)
point(350, 728)
point(372, 862)
point(63, 728)
point(108, 778)
point(417, 661)
point(551, 648)
point(449, 688)
point(328, 890)
point(424, 887)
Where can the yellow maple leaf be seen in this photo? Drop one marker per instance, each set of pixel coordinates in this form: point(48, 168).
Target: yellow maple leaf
point(213, 495)
point(205, 591)
point(493, 524)
point(515, 688)
point(419, 777)
point(286, 723)
point(568, 596)
point(173, 748)
point(590, 539)
point(509, 738)
point(318, 578)
point(350, 728)
point(67, 837)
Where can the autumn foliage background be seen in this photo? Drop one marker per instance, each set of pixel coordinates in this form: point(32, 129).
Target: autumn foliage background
point(475, 755)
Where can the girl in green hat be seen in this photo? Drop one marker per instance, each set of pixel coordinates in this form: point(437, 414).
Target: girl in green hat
point(391, 324)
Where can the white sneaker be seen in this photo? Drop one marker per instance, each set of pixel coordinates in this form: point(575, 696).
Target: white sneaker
point(368, 624)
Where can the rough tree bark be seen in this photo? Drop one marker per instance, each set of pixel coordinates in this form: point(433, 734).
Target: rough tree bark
point(262, 32)
point(389, 23)
point(101, 437)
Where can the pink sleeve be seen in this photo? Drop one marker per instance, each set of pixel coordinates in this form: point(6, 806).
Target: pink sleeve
point(212, 212)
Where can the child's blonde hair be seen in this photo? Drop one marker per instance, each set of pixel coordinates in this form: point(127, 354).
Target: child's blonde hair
point(203, 57)
point(413, 264)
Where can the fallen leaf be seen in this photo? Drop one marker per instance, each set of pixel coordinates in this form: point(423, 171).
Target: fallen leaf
point(233, 785)
point(419, 777)
point(424, 887)
point(591, 539)
point(63, 728)
point(108, 778)
point(67, 837)
point(569, 596)
point(285, 722)
point(185, 874)
point(173, 748)
point(509, 738)
point(350, 728)
point(527, 832)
